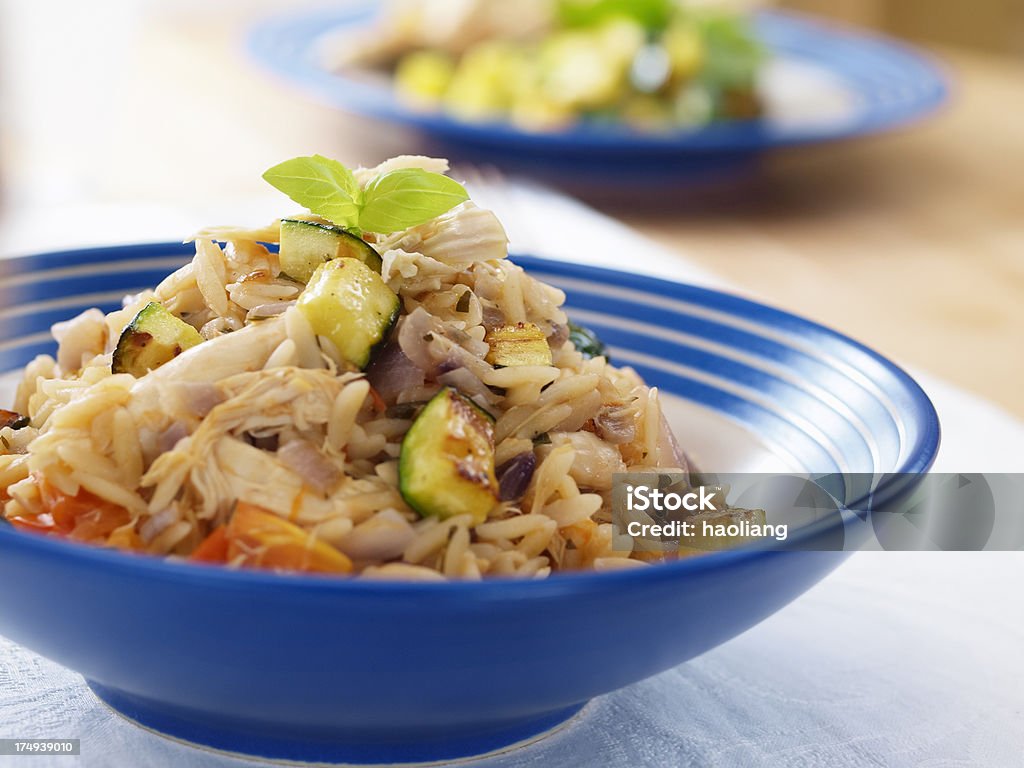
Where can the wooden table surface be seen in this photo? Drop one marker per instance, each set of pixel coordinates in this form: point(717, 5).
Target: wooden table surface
point(912, 243)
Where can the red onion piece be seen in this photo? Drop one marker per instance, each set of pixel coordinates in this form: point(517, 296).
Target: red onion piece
point(616, 424)
point(667, 443)
point(492, 316)
point(170, 437)
point(158, 523)
point(318, 472)
point(433, 348)
point(559, 335)
point(392, 373)
point(199, 398)
point(514, 476)
point(417, 338)
point(465, 382)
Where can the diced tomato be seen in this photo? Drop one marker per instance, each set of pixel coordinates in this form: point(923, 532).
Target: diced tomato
point(214, 548)
point(60, 507)
point(580, 534)
point(126, 538)
point(82, 517)
point(98, 523)
point(260, 539)
point(32, 523)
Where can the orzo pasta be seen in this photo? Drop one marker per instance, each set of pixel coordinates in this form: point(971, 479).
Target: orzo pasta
point(347, 396)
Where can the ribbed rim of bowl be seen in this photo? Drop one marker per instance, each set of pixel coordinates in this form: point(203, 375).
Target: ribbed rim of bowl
point(894, 83)
point(911, 402)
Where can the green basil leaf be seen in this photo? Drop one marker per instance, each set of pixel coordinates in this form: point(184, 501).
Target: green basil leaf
point(324, 186)
point(405, 198)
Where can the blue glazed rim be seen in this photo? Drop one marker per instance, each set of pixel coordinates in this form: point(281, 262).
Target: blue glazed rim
point(895, 84)
point(917, 458)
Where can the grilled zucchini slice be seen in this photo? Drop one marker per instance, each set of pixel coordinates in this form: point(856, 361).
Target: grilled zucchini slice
point(305, 245)
point(350, 304)
point(446, 466)
point(153, 338)
point(518, 344)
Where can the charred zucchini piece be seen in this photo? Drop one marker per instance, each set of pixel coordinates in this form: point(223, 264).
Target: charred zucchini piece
point(348, 303)
point(13, 420)
point(518, 344)
point(446, 466)
point(586, 341)
point(305, 245)
point(153, 338)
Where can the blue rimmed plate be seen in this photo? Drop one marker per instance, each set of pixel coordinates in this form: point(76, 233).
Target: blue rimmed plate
point(342, 671)
point(824, 83)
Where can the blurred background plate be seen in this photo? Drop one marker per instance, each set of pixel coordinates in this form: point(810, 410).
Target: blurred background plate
point(824, 83)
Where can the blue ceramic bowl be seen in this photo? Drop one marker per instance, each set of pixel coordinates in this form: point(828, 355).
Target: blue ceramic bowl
point(881, 82)
point(343, 671)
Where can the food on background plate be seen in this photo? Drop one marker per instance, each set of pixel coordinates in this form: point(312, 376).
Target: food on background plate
point(545, 65)
point(388, 396)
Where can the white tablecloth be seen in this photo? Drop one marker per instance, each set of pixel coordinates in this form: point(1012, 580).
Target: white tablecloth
point(897, 659)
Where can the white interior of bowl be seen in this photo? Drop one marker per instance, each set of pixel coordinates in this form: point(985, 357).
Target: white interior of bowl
point(720, 444)
point(799, 93)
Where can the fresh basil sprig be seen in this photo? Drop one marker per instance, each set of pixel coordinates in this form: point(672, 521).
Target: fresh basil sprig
point(400, 199)
point(390, 203)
